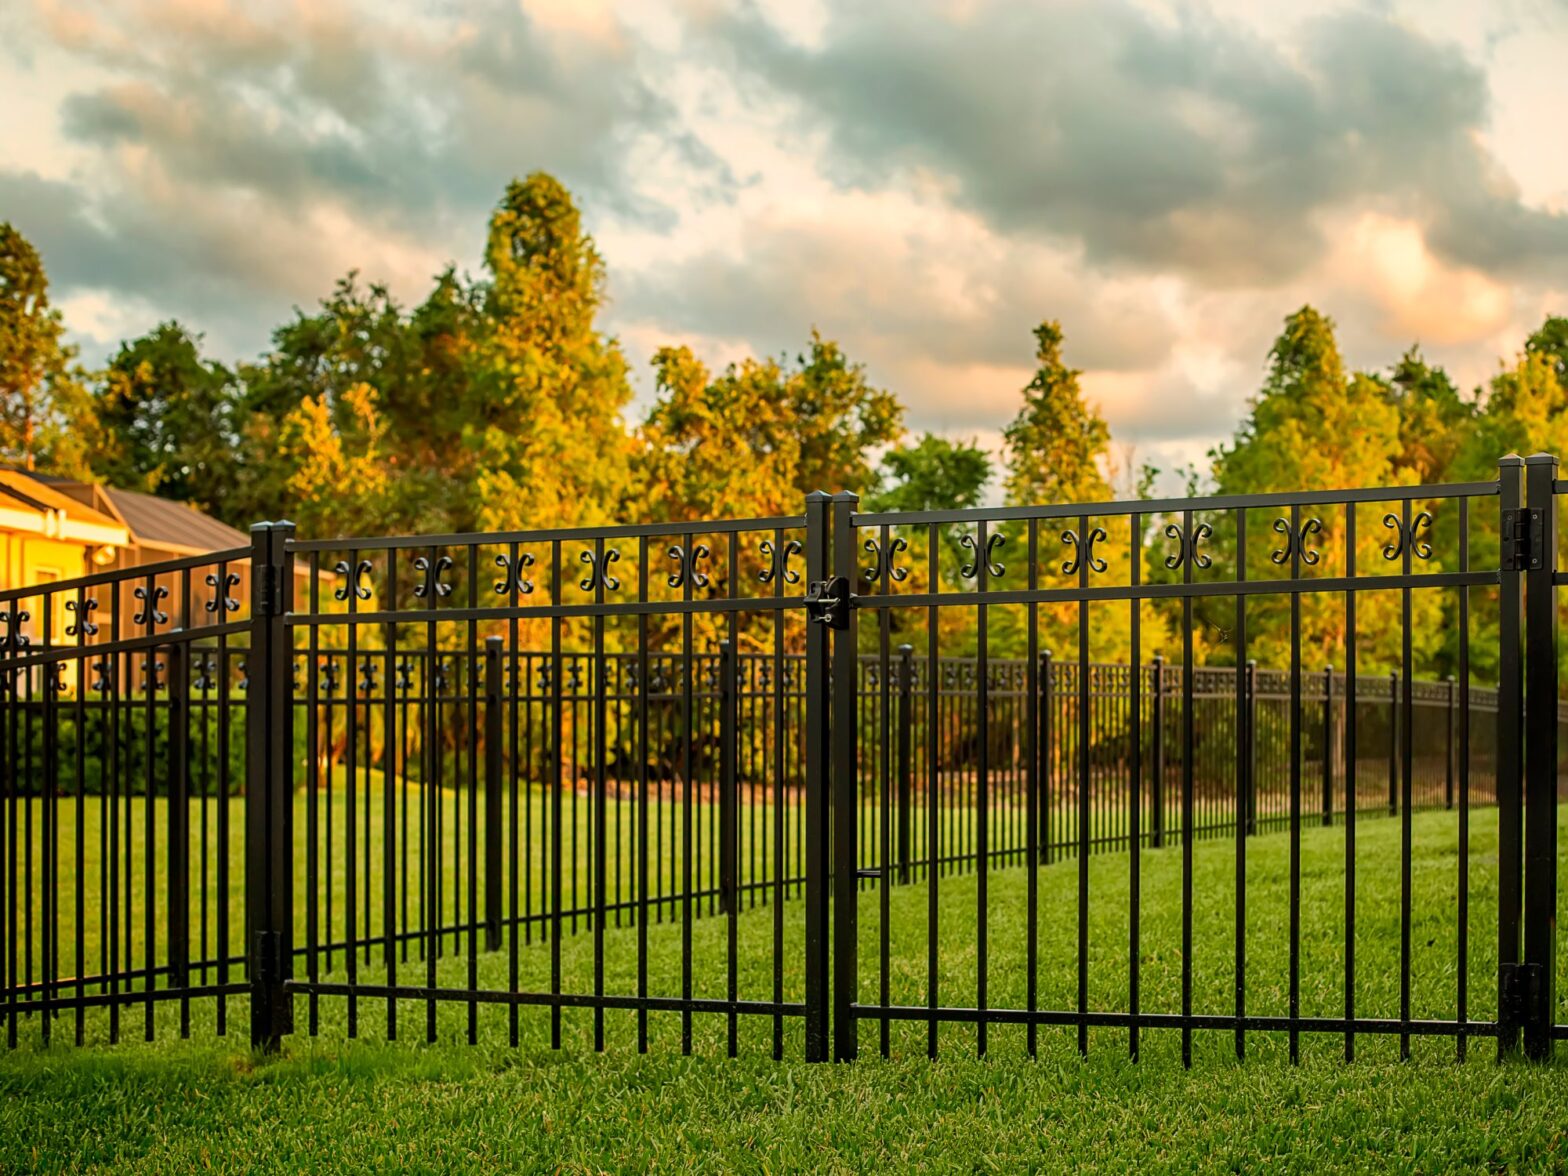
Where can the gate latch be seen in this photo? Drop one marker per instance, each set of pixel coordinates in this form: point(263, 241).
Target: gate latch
point(828, 602)
point(1523, 539)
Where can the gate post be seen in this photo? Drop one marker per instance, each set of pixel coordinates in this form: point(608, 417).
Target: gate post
point(818, 830)
point(845, 780)
point(269, 800)
point(1510, 746)
point(1540, 760)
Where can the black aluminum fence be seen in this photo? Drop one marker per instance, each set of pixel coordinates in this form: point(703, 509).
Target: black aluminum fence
point(614, 774)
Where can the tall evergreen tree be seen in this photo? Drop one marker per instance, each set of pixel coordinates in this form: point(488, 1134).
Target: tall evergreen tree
point(1058, 443)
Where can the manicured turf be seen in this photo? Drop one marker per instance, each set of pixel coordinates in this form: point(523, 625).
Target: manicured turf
point(332, 1103)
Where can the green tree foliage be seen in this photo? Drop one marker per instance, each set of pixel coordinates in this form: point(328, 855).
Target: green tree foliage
point(758, 438)
point(46, 420)
point(167, 418)
point(1058, 444)
point(1315, 426)
point(495, 403)
point(543, 421)
point(932, 474)
point(1435, 421)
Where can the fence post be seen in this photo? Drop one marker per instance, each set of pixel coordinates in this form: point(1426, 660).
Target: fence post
point(493, 713)
point(1510, 750)
point(1328, 745)
point(1393, 743)
point(906, 683)
point(269, 801)
point(1540, 761)
point(844, 732)
point(817, 775)
point(1157, 792)
point(729, 825)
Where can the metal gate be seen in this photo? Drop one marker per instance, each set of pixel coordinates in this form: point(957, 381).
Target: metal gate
point(1233, 558)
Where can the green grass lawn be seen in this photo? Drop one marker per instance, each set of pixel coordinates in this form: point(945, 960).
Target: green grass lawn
point(333, 1103)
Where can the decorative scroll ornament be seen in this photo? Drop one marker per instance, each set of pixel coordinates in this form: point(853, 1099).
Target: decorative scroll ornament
point(598, 570)
point(54, 675)
point(970, 570)
point(150, 605)
point(13, 637)
point(83, 626)
point(512, 573)
point(779, 561)
point(150, 672)
point(244, 682)
point(405, 678)
point(101, 679)
point(328, 672)
point(355, 582)
point(221, 601)
point(882, 564)
point(1187, 545)
point(1296, 541)
point(1083, 551)
point(686, 565)
point(432, 586)
point(204, 680)
point(1403, 537)
point(367, 675)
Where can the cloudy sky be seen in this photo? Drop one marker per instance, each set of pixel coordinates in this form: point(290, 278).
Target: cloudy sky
point(922, 181)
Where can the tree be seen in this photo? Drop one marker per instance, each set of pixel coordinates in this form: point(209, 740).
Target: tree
point(496, 403)
point(932, 474)
point(757, 439)
point(543, 419)
point(1435, 421)
point(167, 417)
point(46, 420)
point(1313, 426)
point(1058, 443)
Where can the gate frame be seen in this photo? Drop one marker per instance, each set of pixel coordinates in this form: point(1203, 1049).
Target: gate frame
point(269, 792)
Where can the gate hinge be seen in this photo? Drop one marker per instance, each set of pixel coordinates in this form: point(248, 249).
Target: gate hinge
point(1521, 992)
point(267, 594)
point(1523, 539)
point(828, 602)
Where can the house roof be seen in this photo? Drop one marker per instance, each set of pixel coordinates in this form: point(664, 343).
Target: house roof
point(30, 504)
point(162, 523)
point(174, 526)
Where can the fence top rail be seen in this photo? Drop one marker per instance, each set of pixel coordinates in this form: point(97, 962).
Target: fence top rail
point(132, 575)
point(1450, 490)
point(548, 535)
